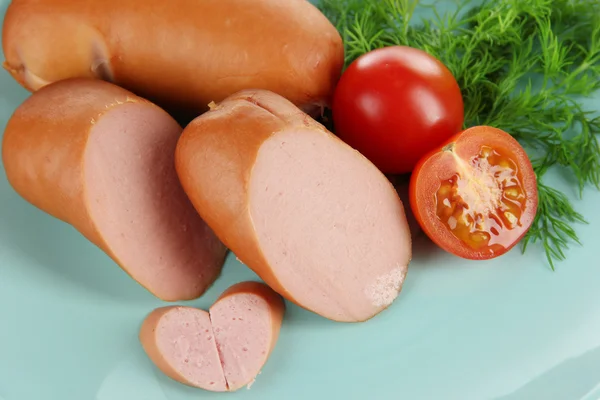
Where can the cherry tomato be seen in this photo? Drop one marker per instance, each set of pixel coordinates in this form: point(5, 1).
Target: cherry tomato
point(395, 104)
point(476, 195)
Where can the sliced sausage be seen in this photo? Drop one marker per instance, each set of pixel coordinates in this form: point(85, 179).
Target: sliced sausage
point(223, 350)
point(183, 53)
point(102, 159)
point(246, 320)
point(312, 217)
point(180, 342)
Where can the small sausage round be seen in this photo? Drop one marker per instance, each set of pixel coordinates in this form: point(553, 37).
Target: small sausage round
point(220, 350)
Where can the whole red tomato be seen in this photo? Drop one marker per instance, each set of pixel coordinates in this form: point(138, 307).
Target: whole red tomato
point(395, 104)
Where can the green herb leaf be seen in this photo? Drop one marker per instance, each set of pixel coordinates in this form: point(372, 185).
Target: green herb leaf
point(523, 66)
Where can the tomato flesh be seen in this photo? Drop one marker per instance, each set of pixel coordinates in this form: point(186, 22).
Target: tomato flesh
point(483, 204)
point(476, 196)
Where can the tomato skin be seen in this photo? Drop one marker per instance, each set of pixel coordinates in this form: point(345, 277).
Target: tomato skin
point(428, 176)
point(395, 104)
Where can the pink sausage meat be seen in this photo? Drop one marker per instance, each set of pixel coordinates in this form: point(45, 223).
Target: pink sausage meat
point(181, 342)
point(222, 350)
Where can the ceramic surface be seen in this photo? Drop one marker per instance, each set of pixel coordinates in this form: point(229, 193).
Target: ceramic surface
point(508, 329)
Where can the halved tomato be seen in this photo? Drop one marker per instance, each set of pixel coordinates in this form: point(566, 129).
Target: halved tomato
point(476, 195)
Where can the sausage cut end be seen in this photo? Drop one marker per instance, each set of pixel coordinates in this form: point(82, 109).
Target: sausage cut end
point(243, 327)
point(185, 339)
point(330, 225)
point(137, 204)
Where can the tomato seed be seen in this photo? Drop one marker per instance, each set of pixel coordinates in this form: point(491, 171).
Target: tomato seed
point(486, 151)
point(452, 222)
point(448, 212)
point(511, 218)
point(480, 237)
point(517, 211)
point(445, 190)
point(468, 218)
point(512, 193)
point(504, 164)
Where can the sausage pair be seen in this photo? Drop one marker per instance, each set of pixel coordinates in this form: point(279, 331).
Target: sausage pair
point(312, 217)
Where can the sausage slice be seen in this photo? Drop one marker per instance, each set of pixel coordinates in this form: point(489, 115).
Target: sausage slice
point(181, 343)
point(102, 159)
point(312, 217)
point(222, 350)
point(246, 320)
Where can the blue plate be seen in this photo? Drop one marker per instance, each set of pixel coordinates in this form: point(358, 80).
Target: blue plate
point(507, 329)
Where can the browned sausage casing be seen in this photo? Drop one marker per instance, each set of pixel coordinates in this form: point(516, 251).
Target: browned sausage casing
point(177, 53)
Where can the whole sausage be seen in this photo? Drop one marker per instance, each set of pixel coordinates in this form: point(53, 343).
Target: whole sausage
point(312, 217)
point(220, 350)
point(102, 159)
point(181, 54)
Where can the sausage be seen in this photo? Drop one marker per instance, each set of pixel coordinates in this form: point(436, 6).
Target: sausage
point(312, 217)
point(246, 320)
point(220, 350)
point(181, 55)
point(180, 342)
point(100, 158)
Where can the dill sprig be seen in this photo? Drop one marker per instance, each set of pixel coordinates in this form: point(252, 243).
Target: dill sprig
point(523, 66)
